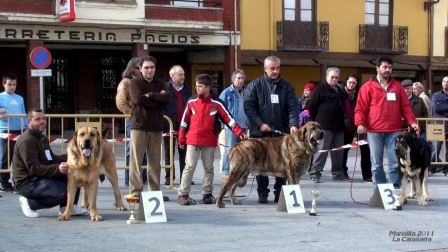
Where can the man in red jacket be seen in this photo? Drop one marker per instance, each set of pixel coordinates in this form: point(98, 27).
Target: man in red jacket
point(381, 104)
point(198, 133)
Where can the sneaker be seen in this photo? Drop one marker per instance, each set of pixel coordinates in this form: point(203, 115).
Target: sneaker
point(340, 179)
point(369, 180)
point(26, 208)
point(208, 199)
point(315, 180)
point(7, 188)
point(165, 198)
point(262, 199)
point(185, 200)
point(75, 211)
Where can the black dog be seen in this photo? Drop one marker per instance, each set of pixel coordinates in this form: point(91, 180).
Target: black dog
point(414, 158)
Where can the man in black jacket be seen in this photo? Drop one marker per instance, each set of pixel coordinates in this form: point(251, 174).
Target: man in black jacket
point(180, 93)
point(327, 109)
point(271, 107)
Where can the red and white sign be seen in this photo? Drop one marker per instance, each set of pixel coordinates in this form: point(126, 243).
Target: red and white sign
point(67, 10)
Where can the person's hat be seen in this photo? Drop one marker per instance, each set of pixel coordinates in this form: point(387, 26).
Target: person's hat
point(406, 83)
point(310, 87)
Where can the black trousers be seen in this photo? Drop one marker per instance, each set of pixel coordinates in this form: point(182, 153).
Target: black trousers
point(263, 181)
point(182, 154)
point(4, 177)
point(366, 164)
point(47, 192)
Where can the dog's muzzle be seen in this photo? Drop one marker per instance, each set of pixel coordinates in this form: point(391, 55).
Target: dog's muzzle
point(87, 148)
point(315, 139)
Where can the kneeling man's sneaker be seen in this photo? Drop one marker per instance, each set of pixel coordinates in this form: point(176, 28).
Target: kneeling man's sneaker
point(26, 208)
point(75, 211)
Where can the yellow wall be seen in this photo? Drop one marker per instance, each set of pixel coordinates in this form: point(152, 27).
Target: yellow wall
point(257, 21)
point(440, 24)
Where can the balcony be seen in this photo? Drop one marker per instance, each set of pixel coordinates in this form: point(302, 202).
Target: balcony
point(383, 39)
point(203, 14)
point(302, 36)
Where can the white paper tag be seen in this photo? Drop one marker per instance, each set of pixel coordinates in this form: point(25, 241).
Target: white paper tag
point(48, 154)
point(291, 199)
point(391, 97)
point(387, 195)
point(274, 98)
point(154, 206)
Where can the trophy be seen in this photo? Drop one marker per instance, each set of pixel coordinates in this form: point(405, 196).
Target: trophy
point(314, 194)
point(132, 199)
point(396, 196)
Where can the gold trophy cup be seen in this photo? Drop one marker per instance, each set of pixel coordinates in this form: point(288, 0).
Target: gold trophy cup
point(132, 199)
point(314, 194)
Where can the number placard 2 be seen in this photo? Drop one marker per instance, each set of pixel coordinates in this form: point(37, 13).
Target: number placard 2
point(154, 206)
point(383, 196)
point(291, 199)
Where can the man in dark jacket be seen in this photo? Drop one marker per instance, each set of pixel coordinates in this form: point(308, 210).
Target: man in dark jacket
point(148, 97)
point(180, 92)
point(40, 175)
point(418, 107)
point(327, 109)
point(439, 103)
point(270, 105)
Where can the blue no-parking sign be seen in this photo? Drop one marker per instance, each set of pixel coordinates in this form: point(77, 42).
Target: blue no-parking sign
point(40, 57)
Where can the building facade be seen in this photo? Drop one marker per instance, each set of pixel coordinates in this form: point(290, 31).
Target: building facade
point(311, 35)
point(90, 53)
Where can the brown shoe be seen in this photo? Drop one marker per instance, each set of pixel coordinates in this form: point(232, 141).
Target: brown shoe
point(184, 200)
point(208, 199)
point(262, 199)
point(165, 198)
point(192, 182)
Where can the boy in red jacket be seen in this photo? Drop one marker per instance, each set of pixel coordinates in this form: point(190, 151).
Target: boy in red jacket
point(198, 133)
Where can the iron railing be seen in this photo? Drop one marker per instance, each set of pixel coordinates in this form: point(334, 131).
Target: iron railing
point(383, 39)
point(302, 36)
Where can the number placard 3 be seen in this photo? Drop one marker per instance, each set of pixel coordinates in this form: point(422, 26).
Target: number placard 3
point(291, 199)
point(154, 206)
point(387, 195)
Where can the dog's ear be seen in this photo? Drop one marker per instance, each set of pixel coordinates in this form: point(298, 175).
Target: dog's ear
point(98, 137)
point(302, 132)
point(75, 136)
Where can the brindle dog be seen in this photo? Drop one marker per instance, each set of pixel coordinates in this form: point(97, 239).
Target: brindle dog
point(414, 158)
point(286, 156)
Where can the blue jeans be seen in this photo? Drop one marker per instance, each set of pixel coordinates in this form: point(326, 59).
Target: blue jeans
point(231, 140)
point(144, 162)
point(377, 142)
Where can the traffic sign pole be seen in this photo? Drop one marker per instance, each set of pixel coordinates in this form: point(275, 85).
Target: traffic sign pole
point(40, 58)
point(41, 94)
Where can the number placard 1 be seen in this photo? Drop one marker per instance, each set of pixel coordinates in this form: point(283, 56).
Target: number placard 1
point(291, 199)
point(154, 206)
point(383, 196)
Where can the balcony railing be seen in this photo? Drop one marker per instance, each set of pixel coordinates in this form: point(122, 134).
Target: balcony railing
point(188, 3)
point(302, 36)
point(383, 39)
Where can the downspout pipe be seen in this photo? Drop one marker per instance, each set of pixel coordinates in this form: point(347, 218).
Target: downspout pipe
point(235, 40)
point(431, 50)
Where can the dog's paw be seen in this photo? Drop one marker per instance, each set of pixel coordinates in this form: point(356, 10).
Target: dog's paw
point(96, 217)
point(402, 200)
point(236, 202)
point(63, 217)
point(410, 196)
point(121, 208)
point(220, 204)
point(428, 198)
point(84, 205)
point(422, 203)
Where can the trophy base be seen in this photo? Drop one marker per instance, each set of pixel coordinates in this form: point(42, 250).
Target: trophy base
point(132, 221)
point(313, 214)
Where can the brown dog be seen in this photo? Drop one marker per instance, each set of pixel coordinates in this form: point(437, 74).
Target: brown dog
point(287, 156)
point(88, 157)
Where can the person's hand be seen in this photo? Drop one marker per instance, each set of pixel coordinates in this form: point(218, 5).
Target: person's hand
point(416, 128)
point(63, 167)
point(182, 146)
point(2, 111)
point(147, 95)
point(361, 129)
point(162, 92)
point(293, 129)
point(243, 137)
point(265, 128)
